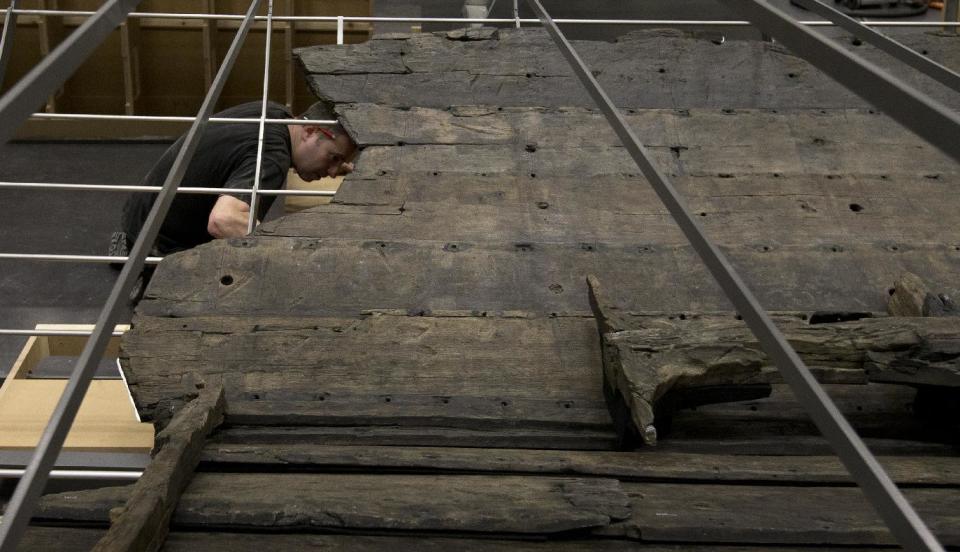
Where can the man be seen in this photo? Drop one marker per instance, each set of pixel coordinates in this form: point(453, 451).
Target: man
point(226, 158)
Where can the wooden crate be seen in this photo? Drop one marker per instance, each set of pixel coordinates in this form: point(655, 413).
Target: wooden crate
point(107, 420)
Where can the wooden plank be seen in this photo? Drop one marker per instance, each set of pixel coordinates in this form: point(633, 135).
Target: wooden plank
point(772, 222)
point(59, 539)
point(649, 363)
point(646, 465)
point(472, 504)
point(876, 410)
point(232, 542)
point(574, 438)
point(588, 160)
point(143, 522)
point(775, 515)
point(469, 372)
point(783, 136)
point(265, 275)
point(650, 69)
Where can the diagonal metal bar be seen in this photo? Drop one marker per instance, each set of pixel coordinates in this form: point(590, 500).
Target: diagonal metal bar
point(906, 526)
point(6, 40)
point(23, 98)
point(925, 116)
point(252, 219)
point(24, 499)
point(907, 55)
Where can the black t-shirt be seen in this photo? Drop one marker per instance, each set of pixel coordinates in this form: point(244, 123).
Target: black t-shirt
point(225, 158)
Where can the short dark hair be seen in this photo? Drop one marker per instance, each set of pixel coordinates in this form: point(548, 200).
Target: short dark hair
point(323, 111)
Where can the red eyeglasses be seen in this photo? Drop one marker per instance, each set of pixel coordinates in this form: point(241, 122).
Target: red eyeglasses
point(327, 133)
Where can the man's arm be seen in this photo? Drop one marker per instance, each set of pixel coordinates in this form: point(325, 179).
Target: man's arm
point(228, 218)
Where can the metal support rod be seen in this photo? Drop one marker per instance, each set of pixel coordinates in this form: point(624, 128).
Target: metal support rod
point(951, 14)
point(175, 119)
point(340, 30)
point(252, 219)
point(154, 189)
point(100, 259)
point(6, 40)
point(23, 98)
point(906, 526)
point(925, 116)
point(92, 475)
point(24, 499)
point(919, 62)
point(365, 19)
point(516, 12)
point(65, 333)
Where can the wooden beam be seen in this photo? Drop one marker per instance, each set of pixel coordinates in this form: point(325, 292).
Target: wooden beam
point(143, 522)
point(209, 27)
point(653, 365)
point(51, 29)
point(130, 57)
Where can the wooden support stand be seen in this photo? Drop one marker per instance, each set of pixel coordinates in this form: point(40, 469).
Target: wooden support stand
point(107, 420)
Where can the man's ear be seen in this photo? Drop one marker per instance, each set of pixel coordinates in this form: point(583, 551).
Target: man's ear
point(309, 131)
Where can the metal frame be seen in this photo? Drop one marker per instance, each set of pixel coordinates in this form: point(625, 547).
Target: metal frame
point(913, 109)
point(6, 40)
point(24, 499)
point(515, 20)
point(903, 521)
point(934, 123)
point(919, 62)
point(53, 70)
point(252, 219)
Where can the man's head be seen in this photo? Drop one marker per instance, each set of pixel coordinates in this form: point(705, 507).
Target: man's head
point(320, 151)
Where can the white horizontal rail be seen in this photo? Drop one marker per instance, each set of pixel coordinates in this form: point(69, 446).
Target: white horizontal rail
point(77, 474)
point(102, 259)
point(361, 19)
point(51, 333)
point(135, 188)
point(175, 119)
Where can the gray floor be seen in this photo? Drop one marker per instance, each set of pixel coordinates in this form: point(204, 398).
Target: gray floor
point(81, 222)
point(60, 222)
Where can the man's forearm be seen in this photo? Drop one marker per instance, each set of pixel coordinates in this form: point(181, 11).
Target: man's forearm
point(228, 218)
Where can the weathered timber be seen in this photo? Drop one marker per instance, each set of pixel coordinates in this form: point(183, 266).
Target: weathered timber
point(143, 522)
point(460, 504)
point(794, 445)
point(563, 141)
point(505, 437)
point(60, 539)
point(880, 411)
point(772, 221)
point(648, 69)
point(911, 297)
point(620, 193)
point(233, 542)
point(456, 372)
point(775, 515)
point(649, 363)
point(644, 465)
point(268, 276)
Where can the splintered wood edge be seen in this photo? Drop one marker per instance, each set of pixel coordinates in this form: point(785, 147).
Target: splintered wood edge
point(143, 522)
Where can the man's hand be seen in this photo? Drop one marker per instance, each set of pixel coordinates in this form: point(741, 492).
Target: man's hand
point(228, 218)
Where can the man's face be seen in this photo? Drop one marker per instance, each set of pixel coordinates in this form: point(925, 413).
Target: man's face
point(316, 156)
